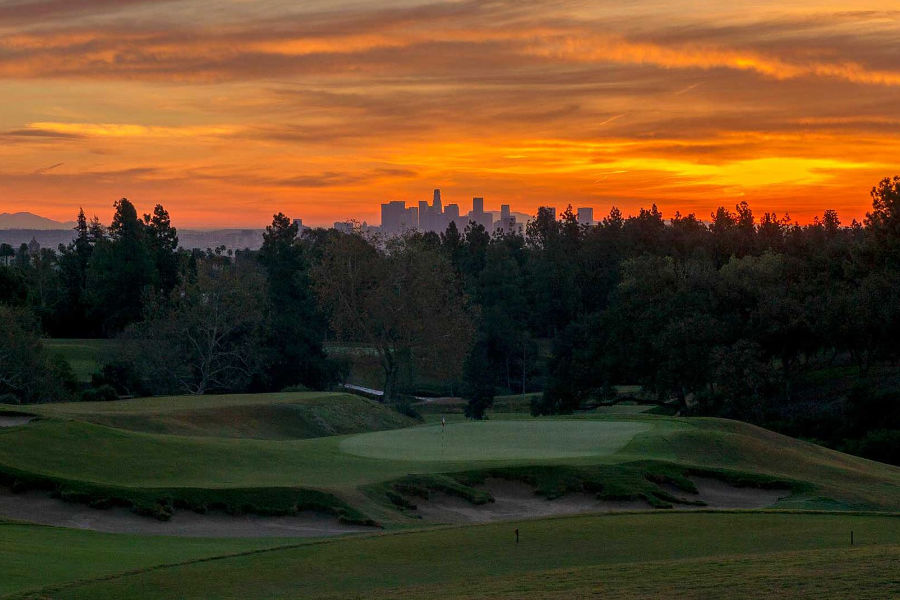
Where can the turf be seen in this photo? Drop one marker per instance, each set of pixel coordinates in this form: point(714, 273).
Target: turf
point(33, 556)
point(695, 555)
point(259, 416)
point(71, 451)
point(497, 440)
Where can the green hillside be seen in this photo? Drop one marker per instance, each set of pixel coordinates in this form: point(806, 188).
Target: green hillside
point(262, 416)
point(92, 451)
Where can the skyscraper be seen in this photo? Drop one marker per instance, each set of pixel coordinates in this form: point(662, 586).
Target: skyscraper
point(436, 204)
point(585, 216)
point(393, 215)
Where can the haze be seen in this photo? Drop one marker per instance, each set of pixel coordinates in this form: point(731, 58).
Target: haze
point(228, 110)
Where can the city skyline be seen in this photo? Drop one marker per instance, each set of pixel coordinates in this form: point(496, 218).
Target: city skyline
point(227, 111)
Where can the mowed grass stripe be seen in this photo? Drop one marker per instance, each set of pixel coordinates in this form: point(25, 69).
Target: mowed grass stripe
point(476, 560)
point(33, 556)
point(859, 573)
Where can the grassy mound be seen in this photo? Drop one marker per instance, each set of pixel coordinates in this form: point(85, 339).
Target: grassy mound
point(259, 416)
point(688, 555)
point(614, 454)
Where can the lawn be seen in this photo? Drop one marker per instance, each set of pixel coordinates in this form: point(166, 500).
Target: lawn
point(34, 556)
point(497, 440)
point(693, 555)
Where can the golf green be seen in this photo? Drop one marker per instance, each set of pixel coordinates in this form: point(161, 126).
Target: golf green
point(496, 440)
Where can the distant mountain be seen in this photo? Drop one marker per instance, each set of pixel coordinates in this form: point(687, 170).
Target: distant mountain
point(27, 220)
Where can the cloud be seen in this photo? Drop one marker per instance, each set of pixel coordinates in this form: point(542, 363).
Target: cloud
point(355, 102)
point(122, 130)
point(19, 12)
point(459, 40)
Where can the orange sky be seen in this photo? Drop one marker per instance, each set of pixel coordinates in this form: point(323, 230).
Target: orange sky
point(226, 111)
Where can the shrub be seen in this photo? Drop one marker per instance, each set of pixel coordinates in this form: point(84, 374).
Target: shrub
point(122, 377)
point(299, 387)
point(882, 445)
point(103, 393)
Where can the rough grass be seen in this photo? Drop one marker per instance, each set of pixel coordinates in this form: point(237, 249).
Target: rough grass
point(629, 481)
point(693, 555)
point(260, 416)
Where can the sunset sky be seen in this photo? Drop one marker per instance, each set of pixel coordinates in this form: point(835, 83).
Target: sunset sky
point(226, 111)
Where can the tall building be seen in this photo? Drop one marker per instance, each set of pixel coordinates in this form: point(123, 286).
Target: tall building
point(436, 204)
point(409, 220)
point(585, 216)
point(425, 216)
point(397, 218)
point(479, 216)
point(507, 222)
point(393, 216)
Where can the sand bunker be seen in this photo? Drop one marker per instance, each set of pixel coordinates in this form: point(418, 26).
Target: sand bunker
point(37, 507)
point(718, 494)
point(14, 420)
point(517, 500)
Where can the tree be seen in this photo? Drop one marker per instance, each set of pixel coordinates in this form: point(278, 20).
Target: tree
point(72, 317)
point(883, 223)
point(119, 270)
point(294, 328)
point(478, 382)
point(162, 242)
point(406, 302)
point(207, 339)
point(27, 373)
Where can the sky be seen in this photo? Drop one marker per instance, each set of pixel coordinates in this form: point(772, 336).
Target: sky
point(227, 111)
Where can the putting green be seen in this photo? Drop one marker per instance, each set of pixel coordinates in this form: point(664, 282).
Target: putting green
point(496, 440)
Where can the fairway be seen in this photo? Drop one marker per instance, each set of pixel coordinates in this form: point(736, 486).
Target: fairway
point(657, 555)
point(497, 440)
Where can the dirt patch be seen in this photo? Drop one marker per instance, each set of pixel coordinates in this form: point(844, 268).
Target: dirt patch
point(15, 420)
point(36, 507)
point(515, 500)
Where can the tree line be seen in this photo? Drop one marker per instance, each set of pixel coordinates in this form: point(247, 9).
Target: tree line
point(743, 316)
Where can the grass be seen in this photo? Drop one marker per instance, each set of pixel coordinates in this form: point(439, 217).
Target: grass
point(84, 356)
point(692, 555)
point(113, 462)
point(33, 556)
point(497, 440)
point(295, 415)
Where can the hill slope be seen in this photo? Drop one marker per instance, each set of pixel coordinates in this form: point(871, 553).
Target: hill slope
point(27, 220)
point(104, 451)
point(280, 416)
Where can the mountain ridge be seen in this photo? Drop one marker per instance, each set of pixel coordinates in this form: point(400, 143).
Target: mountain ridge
point(27, 220)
